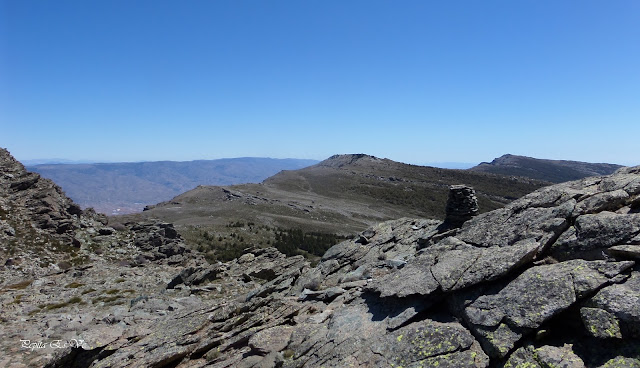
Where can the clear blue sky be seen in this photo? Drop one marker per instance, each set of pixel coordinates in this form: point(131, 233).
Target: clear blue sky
point(414, 81)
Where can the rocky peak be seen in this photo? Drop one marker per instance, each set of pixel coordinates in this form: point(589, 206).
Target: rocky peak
point(338, 161)
point(9, 165)
point(505, 159)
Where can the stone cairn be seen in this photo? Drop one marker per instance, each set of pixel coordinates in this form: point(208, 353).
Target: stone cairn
point(462, 205)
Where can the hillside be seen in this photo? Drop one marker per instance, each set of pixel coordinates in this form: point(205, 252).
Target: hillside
point(341, 195)
point(64, 272)
point(127, 187)
point(550, 280)
point(555, 171)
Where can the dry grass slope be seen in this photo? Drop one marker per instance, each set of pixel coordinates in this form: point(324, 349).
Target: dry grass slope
point(341, 195)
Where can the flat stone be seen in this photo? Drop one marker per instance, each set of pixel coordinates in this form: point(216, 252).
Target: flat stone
point(271, 340)
point(626, 251)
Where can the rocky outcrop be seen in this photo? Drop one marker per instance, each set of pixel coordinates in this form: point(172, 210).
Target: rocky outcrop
point(550, 280)
point(28, 202)
point(159, 241)
point(67, 275)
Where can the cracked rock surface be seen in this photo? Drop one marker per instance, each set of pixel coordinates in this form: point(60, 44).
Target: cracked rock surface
point(550, 280)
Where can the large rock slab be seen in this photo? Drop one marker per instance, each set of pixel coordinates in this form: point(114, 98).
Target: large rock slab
point(534, 297)
point(594, 233)
point(543, 357)
point(614, 312)
point(453, 265)
point(541, 215)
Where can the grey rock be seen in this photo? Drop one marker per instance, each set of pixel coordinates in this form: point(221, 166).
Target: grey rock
point(621, 362)
point(429, 343)
point(359, 273)
point(496, 228)
point(534, 297)
point(497, 341)
point(395, 263)
point(195, 276)
point(594, 233)
point(325, 295)
point(600, 323)
point(544, 357)
point(621, 301)
point(625, 251)
point(413, 279)
point(602, 202)
point(272, 339)
point(453, 265)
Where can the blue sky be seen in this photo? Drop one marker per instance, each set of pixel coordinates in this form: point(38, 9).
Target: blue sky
point(414, 81)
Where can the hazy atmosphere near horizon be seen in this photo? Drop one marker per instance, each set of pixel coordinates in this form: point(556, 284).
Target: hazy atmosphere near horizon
point(413, 81)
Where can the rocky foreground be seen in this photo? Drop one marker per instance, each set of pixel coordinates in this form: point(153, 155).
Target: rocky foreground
point(551, 280)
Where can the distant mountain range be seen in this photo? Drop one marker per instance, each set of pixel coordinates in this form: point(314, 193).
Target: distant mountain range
point(295, 203)
point(114, 188)
point(343, 194)
point(122, 188)
point(555, 171)
point(450, 165)
point(53, 161)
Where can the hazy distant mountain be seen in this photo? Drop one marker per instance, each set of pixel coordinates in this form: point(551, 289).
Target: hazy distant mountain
point(52, 161)
point(451, 165)
point(555, 171)
point(343, 194)
point(130, 186)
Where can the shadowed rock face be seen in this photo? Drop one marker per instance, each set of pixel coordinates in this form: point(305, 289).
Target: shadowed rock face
point(549, 281)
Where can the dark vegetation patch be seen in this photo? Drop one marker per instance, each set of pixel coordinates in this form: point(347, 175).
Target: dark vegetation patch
point(51, 306)
point(18, 285)
point(291, 241)
point(232, 240)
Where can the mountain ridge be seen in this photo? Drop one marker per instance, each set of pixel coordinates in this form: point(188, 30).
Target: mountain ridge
point(119, 188)
point(555, 171)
